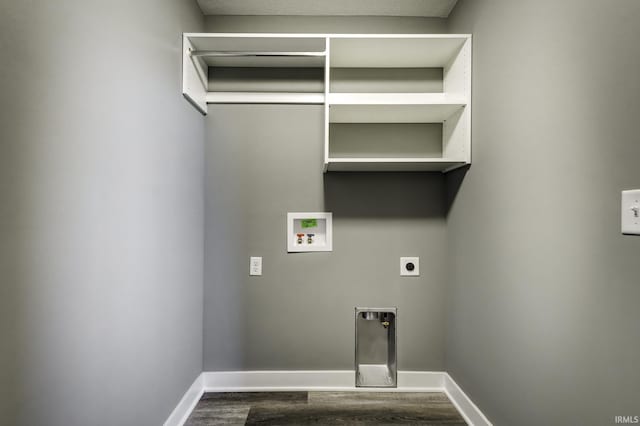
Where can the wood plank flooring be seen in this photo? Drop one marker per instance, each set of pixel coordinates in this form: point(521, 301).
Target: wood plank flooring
point(324, 408)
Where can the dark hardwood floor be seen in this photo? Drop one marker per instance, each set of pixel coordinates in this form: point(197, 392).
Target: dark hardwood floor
point(324, 408)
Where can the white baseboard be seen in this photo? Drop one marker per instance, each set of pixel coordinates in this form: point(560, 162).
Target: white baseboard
point(335, 380)
point(331, 380)
point(246, 381)
point(181, 413)
point(465, 406)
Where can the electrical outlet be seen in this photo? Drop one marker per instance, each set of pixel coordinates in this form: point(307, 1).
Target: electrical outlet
point(255, 266)
point(631, 212)
point(410, 266)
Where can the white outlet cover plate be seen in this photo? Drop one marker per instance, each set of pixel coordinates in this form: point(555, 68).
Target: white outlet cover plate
point(255, 266)
point(631, 219)
point(404, 272)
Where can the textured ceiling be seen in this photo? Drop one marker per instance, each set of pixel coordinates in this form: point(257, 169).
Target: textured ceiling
point(425, 8)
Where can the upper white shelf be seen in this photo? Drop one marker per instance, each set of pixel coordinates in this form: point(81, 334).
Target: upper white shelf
point(264, 98)
point(428, 51)
point(265, 61)
point(248, 50)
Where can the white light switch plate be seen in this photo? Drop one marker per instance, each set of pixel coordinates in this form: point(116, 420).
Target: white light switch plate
point(255, 266)
point(631, 212)
point(407, 271)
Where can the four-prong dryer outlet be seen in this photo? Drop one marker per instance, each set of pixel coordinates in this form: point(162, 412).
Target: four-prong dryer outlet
point(410, 266)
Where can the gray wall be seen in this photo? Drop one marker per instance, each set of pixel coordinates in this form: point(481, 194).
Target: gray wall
point(324, 24)
point(543, 307)
point(101, 213)
point(265, 161)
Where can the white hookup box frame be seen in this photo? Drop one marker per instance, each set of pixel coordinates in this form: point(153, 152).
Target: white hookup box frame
point(318, 224)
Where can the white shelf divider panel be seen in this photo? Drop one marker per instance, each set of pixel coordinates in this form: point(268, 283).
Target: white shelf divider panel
point(327, 86)
point(194, 77)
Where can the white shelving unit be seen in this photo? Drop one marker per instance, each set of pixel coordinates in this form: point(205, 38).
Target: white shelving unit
point(447, 104)
point(423, 126)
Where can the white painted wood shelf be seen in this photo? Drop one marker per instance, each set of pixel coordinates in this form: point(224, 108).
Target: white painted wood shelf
point(364, 131)
point(396, 99)
point(264, 98)
point(391, 164)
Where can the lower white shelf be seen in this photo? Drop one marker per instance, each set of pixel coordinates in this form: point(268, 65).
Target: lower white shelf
point(392, 165)
point(428, 113)
point(392, 99)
